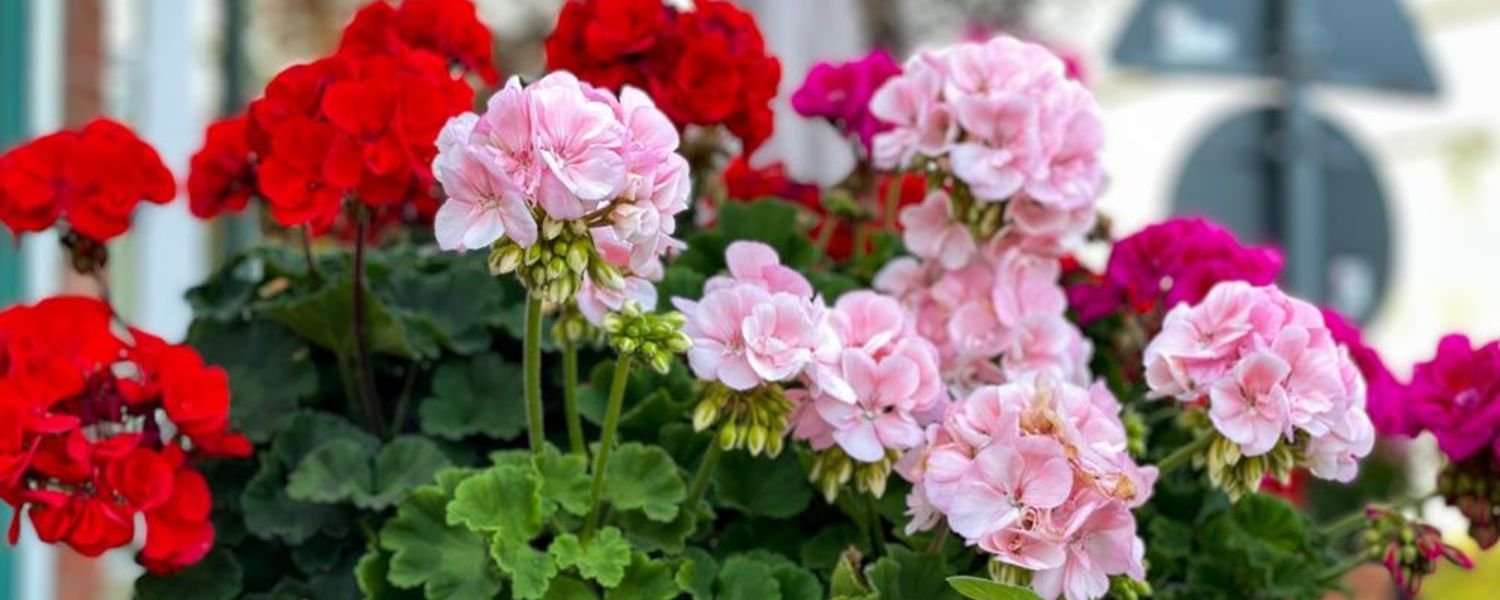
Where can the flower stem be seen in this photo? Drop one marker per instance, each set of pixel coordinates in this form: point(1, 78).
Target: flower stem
point(937, 539)
point(404, 402)
point(307, 254)
point(1183, 455)
point(570, 398)
point(705, 472)
point(877, 531)
point(1338, 570)
point(1358, 519)
point(363, 370)
point(607, 440)
point(893, 199)
point(825, 233)
point(532, 365)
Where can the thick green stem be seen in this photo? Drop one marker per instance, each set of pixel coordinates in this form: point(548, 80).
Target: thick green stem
point(307, 255)
point(1360, 519)
point(570, 398)
point(532, 364)
point(705, 472)
point(607, 440)
point(1183, 455)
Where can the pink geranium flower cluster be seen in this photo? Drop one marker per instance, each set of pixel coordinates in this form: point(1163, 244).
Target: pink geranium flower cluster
point(874, 391)
point(1270, 371)
point(1001, 316)
point(1177, 260)
point(1005, 119)
point(560, 150)
point(861, 377)
point(1036, 473)
point(759, 324)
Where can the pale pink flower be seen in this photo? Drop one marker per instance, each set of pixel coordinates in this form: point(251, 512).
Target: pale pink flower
point(715, 325)
point(596, 301)
point(1048, 345)
point(931, 232)
point(578, 140)
point(483, 205)
point(1005, 481)
point(504, 131)
point(757, 264)
point(1044, 229)
point(1270, 369)
point(867, 320)
point(1098, 540)
point(1250, 405)
point(781, 335)
point(1070, 136)
point(912, 104)
point(880, 419)
point(1004, 149)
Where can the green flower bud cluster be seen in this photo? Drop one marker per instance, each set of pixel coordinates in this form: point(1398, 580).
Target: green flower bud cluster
point(1125, 588)
point(1009, 574)
point(1237, 474)
point(1409, 549)
point(754, 419)
point(984, 219)
point(832, 469)
point(555, 265)
point(651, 337)
point(569, 327)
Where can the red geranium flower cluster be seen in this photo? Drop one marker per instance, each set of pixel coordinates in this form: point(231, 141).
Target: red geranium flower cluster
point(95, 429)
point(361, 123)
point(221, 176)
point(706, 66)
point(93, 177)
point(449, 28)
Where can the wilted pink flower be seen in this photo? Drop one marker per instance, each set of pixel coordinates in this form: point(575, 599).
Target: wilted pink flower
point(841, 93)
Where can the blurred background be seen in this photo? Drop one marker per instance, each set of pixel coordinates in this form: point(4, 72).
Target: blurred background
point(1361, 135)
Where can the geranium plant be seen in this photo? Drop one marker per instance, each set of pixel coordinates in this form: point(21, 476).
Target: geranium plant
point(554, 340)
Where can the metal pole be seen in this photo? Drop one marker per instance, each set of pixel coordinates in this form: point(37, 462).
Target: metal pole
point(1300, 227)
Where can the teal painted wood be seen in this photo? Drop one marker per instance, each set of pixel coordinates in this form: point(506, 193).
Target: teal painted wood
point(15, 40)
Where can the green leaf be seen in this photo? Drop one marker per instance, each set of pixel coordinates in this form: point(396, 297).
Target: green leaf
point(448, 561)
point(745, 578)
point(335, 472)
point(504, 500)
point(565, 480)
point(768, 221)
point(697, 574)
point(984, 589)
point(454, 298)
point(831, 285)
point(216, 577)
point(771, 487)
point(653, 536)
point(602, 559)
point(644, 477)
point(405, 463)
point(309, 430)
point(370, 576)
point(530, 570)
point(645, 579)
point(478, 396)
point(270, 372)
point(271, 514)
point(568, 588)
point(325, 318)
point(905, 573)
